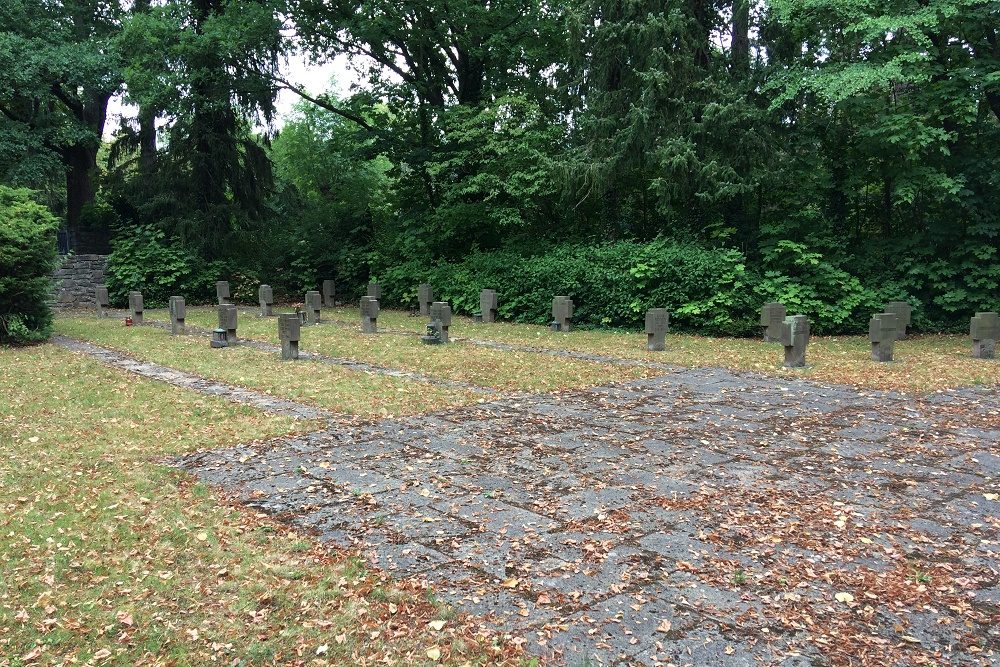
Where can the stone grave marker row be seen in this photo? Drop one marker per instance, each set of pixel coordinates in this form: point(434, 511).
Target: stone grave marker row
point(657, 325)
point(222, 292)
point(102, 300)
point(329, 294)
point(772, 320)
point(883, 332)
point(289, 333)
point(984, 329)
point(562, 313)
point(488, 306)
point(265, 295)
point(795, 338)
point(369, 315)
point(135, 307)
point(902, 311)
point(425, 297)
point(312, 307)
point(440, 313)
point(177, 313)
point(225, 335)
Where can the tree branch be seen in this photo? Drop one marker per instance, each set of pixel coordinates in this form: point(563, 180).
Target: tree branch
point(74, 104)
point(323, 104)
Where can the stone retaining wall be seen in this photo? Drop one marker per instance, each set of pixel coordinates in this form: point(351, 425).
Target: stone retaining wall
point(76, 279)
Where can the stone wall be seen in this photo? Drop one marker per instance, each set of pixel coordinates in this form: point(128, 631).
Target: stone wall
point(76, 279)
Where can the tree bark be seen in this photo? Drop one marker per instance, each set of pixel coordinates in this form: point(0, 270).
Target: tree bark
point(81, 157)
point(147, 141)
point(740, 51)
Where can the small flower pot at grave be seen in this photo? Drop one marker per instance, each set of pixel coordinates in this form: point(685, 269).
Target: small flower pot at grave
point(128, 321)
point(219, 338)
point(434, 335)
point(477, 318)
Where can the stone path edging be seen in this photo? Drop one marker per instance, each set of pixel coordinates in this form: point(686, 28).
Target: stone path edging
point(194, 382)
point(351, 364)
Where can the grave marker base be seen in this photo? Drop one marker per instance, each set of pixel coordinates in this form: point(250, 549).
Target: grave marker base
point(984, 349)
point(289, 350)
point(881, 352)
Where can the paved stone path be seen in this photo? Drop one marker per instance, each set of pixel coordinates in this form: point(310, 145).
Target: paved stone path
point(698, 518)
point(195, 382)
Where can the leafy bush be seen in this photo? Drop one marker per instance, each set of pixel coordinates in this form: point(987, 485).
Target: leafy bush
point(27, 259)
point(809, 284)
point(143, 259)
point(959, 281)
point(612, 284)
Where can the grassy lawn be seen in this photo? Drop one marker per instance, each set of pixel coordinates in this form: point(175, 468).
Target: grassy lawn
point(497, 369)
point(108, 558)
point(922, 363)
point(338, 389)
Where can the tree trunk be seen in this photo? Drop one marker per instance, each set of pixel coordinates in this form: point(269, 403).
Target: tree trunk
point(81, 165)
point(886, 207)
point(147, 141)
point(740, 53)
point(81, 157)
point(702, 12)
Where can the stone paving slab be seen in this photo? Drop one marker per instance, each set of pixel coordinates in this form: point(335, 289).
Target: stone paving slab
point(702, 517)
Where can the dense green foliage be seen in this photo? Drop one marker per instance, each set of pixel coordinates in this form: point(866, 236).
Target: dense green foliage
point(27, 259)
point(710, 290)
point(145, 260)
point(703, 156)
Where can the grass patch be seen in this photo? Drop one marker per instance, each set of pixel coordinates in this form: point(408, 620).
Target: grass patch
point(107, 558)
point(332, 387)
point(923, 363)
point(496, 369)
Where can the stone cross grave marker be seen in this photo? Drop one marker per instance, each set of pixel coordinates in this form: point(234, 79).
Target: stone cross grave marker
point(425, 297)
point(562, 313)
point(902, 311)
point(375, 291)
point(984, 329)
point(883, 332)
point(440, 312)
point(795, 337)
point(135, 307)
point(289, 333)
point(227, 321)
point(312, 307)
point(657, 325)
point(488, 305)
point(772, 319)
point(222, 292)
point(369, 315)
point(329, 294)
point(177, 313)
point(102, 300)
point(266, 297)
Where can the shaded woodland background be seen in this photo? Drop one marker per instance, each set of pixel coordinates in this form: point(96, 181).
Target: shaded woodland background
point(702, 156)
